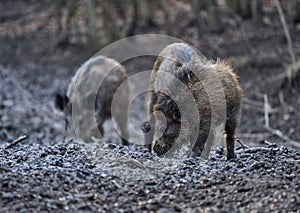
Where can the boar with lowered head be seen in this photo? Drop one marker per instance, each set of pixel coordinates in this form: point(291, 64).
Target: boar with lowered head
point(88, 101)
point(182, 78)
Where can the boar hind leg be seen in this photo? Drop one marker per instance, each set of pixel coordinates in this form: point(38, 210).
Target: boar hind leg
point(209, 143)
point(101, 130)
point(121, 118)
point(148, 129)
point(119, 111)
point(149, 126)
point(200, 142)
point(122, 122)
point(230, 127)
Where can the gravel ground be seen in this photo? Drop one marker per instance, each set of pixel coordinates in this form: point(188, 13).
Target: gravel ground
point(63, 178)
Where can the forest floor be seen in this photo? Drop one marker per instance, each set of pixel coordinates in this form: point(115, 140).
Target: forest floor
point(44, 173)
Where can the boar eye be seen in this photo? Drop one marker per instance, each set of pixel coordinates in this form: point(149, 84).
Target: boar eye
point(187, 74)
point(178, 64)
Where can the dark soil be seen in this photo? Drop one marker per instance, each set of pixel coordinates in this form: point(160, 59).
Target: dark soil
point(45, 173)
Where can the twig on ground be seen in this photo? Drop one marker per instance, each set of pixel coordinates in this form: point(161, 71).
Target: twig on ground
point(116, 184)
point(269, 143)
point(17, 141)
point(284, 137)
point(257, 149)
point(243, 145)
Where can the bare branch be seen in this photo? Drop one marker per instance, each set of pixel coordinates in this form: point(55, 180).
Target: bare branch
point(284, 137)
point(266, 110)
point(286, 31)
point(243, 145)
point(276, 131)
point(17, 141)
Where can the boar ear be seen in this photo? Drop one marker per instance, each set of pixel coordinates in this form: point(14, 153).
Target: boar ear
point(157, 63)
point(61, 99)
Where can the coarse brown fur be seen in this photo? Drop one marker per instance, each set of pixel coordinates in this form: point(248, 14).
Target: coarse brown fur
point(88, 101)
point(215, 90)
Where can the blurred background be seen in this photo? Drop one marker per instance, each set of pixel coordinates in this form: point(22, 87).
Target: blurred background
point(43, 42)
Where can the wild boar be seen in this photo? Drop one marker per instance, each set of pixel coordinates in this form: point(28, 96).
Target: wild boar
point(88, 101)
point(215, 90)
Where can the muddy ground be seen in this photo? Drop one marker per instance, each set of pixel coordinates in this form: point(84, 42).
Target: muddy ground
point(45, 173)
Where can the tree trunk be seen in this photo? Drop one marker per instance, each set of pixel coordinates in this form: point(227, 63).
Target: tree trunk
point(213, 17)
point(256, 11)
point(245, 10)
point(92, 31)
point(297, 12)
point(147, 8)
point(110, 25)
point(233, 5)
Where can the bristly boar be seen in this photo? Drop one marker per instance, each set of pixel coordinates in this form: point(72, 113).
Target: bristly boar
point(216, 93)
point(87, 103)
